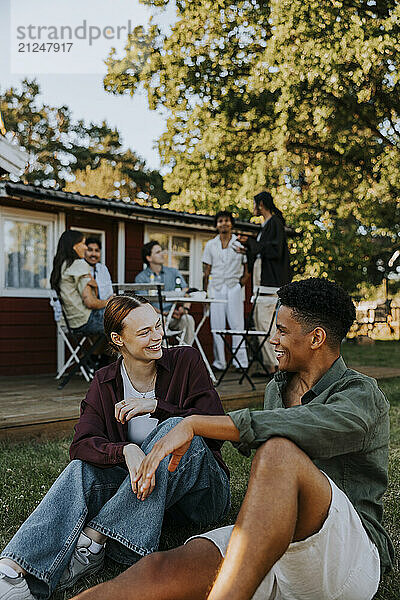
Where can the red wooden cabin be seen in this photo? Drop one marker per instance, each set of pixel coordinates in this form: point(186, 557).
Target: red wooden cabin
point(31, 221)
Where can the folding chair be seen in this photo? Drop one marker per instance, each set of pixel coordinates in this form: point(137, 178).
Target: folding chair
point(248, 336)
point(81, 347)
point(62, 332)
point(178, 335)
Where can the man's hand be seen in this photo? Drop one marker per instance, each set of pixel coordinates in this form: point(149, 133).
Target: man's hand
point(134, 457)
point(131, 407)
point(242, 238)
point(175, 442)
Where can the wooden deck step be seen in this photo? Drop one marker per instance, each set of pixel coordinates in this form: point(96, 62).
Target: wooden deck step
point(33, 407)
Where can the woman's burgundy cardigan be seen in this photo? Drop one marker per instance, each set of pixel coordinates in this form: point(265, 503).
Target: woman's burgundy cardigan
point(183, 387)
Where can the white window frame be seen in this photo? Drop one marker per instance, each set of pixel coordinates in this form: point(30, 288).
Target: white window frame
point(121, 252)
point(202, 237)
point(100, 233)
point(50, 220)
point(154, 230)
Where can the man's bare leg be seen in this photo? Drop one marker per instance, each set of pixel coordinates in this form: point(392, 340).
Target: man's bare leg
point(185, 573)
point(287, 500)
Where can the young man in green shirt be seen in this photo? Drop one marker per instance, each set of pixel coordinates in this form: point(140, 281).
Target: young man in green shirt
point(310, 524)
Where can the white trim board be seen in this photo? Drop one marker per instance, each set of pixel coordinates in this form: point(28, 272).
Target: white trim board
point(12, 158)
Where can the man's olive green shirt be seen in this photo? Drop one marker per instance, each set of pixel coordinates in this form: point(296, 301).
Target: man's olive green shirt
point(343, 426)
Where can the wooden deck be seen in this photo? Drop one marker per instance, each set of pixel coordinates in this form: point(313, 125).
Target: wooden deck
point(32, 406)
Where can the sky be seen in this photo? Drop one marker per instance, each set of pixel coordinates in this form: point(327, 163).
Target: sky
point(83, 93)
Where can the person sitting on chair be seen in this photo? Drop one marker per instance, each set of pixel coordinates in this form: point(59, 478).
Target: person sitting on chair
point(94, 508)
point(75, 286)
point(173, 280)
point(310, 526)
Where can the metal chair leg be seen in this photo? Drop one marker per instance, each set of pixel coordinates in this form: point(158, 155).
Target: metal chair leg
point(83, 362)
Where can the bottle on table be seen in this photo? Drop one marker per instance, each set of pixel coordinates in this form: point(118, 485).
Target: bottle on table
point(209, 286)
point(178, 286)
point(152, 280)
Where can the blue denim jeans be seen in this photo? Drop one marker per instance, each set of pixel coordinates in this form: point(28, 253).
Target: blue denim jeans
point(103, 499)
point(94, 325)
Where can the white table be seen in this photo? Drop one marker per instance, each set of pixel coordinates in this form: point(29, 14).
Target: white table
point(206, 313)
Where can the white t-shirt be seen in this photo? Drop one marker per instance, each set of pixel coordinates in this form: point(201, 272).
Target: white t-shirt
point(139, 427)
point(103, 280)
point(226, 264)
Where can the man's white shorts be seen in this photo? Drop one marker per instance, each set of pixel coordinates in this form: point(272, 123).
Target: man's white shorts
point(338, 563)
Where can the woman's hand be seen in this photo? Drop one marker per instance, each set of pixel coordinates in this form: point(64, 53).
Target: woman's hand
point(131, 407)
point(133, 458)
point(175, 442)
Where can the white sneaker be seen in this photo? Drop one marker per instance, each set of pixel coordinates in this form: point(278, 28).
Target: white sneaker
point(82, 562)
point(14, 588)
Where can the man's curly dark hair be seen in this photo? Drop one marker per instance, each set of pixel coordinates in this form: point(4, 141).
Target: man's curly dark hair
point(224, 213)
point(320, 303)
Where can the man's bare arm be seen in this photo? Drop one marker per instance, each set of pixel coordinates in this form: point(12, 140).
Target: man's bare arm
point(177, 441)
point(245, 276)
point(89, 296)
point(206, 275)
point(214, 427)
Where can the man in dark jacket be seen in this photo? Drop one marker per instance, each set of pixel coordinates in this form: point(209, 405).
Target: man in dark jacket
point(268, 261)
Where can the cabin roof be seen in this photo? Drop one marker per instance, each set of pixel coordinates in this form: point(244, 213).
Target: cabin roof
point(118, 207)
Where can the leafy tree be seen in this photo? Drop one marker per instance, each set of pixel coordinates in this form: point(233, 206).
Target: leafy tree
point(105, 181)
point(57, 146)
point(298, 96)
point(120, 181)
point(61, 150)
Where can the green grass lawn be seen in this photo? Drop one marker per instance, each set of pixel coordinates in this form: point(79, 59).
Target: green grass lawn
point(378, 354)
point(28, 469)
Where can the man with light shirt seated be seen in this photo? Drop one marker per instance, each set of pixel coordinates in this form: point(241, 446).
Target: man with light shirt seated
point(102, 277)
point(99, 271)
point(310, 526)
point(153, 256)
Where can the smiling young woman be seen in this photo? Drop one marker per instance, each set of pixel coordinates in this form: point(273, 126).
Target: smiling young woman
point(94, 508)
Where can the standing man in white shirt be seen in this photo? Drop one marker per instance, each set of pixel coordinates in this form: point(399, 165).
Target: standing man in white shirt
point(99, 271)
point(225, 274)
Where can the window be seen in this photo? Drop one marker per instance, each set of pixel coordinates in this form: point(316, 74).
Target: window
point(177, 247)
point(27, 240)
point(184, 251)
